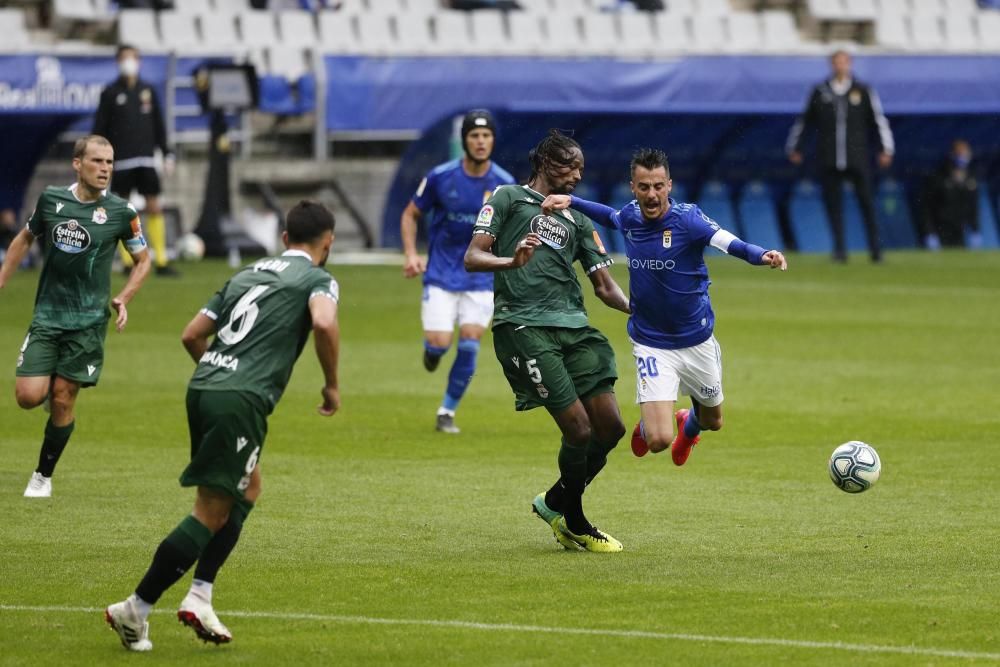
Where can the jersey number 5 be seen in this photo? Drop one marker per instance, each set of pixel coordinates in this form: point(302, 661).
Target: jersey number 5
point(243, 317)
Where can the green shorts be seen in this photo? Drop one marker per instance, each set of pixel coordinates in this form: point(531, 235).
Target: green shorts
point(75, 354)
point(553, 366)
point(227, 435)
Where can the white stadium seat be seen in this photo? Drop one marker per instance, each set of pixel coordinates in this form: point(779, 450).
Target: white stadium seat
point(960, 7)
point(74, 10)
point(682, 7)
point(890, 31)
point(925, 32)
point(713, 7)
point(297, 27)
point(960, 33)
point(191, 7)
point(425, 7)
point(231, 6)
point(451, 33)
point(138, 26)
point(337, 33)
point(898, 8)
point(382, 7)
point(526, 32)
point(989, 31)
point(375, 34)
point(826, 10)
point(12, 27)
point(570, 8)
point(708, 33)
point(928, 8)
point(413, 34)
point(860, 10)
point(178, 31)
point(488, 34)
point(258, 29)
point(778, 31)
point(673, 34)
point(219, 32)
point(635, 31)
point(287, 61)
point(599, 34)
point(543, 7)
point(743, 29)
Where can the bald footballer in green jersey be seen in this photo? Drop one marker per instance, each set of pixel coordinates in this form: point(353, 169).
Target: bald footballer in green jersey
point(550, 355)
point(64, 348)
point(258, 324)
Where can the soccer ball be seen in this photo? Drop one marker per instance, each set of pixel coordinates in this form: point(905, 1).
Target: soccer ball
point(854, 466)
point(190, 247)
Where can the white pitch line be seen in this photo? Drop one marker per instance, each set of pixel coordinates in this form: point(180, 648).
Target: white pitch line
point(542, 629)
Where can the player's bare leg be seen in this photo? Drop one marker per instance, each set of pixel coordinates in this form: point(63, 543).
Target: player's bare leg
point(62, 394)
point(655, 430)
point(31, 391)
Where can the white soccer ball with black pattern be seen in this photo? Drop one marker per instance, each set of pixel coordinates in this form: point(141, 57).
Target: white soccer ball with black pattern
point(855, 466)
point(190, 247)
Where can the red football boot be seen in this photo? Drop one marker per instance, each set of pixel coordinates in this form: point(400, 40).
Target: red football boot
point(680, 448)
point(639, 446)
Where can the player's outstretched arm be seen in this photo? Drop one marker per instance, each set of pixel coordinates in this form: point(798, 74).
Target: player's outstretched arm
point(608, 291)
point(413, 263)
point(16, 252)
point(196, 335)
point(603, 215)
point(479, 256)
point(775, 259)
point(143, 263)
point(326, 335)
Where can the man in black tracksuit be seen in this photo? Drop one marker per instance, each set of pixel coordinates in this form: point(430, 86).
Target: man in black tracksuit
point(129, 116)
point(846, 113)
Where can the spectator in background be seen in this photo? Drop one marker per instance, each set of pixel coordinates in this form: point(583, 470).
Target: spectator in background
point(129, 115)
point(950, 201)
point(846, 113)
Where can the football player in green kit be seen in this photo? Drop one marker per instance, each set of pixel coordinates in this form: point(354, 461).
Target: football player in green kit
point(64, 348)
point(245, 342)
point(550, 355)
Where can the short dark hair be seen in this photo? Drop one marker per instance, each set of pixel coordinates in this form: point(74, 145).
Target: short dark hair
point(80, 145)
point(307, 221)
point(649, 158)
point(556, 148)
point(122, 48)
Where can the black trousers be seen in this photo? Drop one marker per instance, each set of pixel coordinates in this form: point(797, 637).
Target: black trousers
point(832, 181)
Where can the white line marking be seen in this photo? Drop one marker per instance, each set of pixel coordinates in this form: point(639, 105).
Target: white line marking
point(541, 629)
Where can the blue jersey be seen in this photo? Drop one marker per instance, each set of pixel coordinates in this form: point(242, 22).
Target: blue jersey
point(450, 201)
point(668, 279)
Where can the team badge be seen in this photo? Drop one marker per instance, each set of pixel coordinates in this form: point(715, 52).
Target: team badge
point(667, 238)
point(100, 216)
point(600, 245)
point(855, 97)
point(485, 216)
point(145, 96)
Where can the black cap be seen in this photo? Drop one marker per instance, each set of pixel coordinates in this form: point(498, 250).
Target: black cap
point(476, 119)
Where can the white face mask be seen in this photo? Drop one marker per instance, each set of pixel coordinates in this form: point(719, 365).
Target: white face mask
point(129, 67)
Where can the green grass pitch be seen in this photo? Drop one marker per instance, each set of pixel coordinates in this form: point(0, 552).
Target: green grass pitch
point(379, 541)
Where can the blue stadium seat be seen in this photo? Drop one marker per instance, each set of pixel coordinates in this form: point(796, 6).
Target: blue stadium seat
point(808, 219)
point(758, 217)
point(893, 214)
point(717, 204)
point(987, 221)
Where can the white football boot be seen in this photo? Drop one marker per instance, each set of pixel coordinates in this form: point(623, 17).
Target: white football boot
point(126, 621)
point(198, 615)
point(39, 486)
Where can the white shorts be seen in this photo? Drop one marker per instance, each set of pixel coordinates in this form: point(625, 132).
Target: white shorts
point(660, 375)
point(441, 310)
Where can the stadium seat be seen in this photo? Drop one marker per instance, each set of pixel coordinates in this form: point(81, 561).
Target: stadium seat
point(807, 217)
point(178, 31)
point(826, 10)
point(451, 33)
point(758, 217)
point(527, 34)
point(543, 7)
point(73, 10)
point(297, 27)
point(896, 7)
point(12, 27)
point(893, 213)
point(712, 7)
point(925, 32)
point(928, 8)
point(859, 10)
point(600, 34)
point(258, 28)
point(960, 7)
point(987, 221)
point(190, 7)
point(425, 7)
point(989, 31)
point(716, 202)
point(488, 34)
point(708, 33)
point(221, 32)
point(566, 9)
point(636, 32)
point(337, 32)
point(959, 33)
point(287, 60)
point(138, 26)
point(232, 6)
point(743, 29)
point(673, 32)
point(778, 32)
point(890, 31)
point(681, 7)
point(414, 32)
point(276, 95)
point(375, 35)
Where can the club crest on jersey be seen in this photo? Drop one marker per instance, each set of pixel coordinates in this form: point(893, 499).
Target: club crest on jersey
point(855, 97)
point(100, 215)
point(485, 216)
point(552, 231)
point(70, 237)
point(667, 238)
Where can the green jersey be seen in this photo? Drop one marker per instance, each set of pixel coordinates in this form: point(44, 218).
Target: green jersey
point(80, 239)
point(262, 323)
point(545, 291)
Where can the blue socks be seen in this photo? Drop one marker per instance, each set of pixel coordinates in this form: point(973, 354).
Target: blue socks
point(436, 352)
point(461, 373)
point(691, 426)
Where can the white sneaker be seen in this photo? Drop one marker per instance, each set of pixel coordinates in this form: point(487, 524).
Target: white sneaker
point(39, 486)
point(132, 630)
point(200, 617)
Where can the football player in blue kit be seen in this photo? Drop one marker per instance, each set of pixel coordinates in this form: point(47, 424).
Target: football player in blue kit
point(672, 320)
point(450, 198)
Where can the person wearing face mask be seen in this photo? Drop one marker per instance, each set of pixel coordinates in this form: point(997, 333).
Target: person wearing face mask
point(671, 322)
point(129, 115)
point(950, 202)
